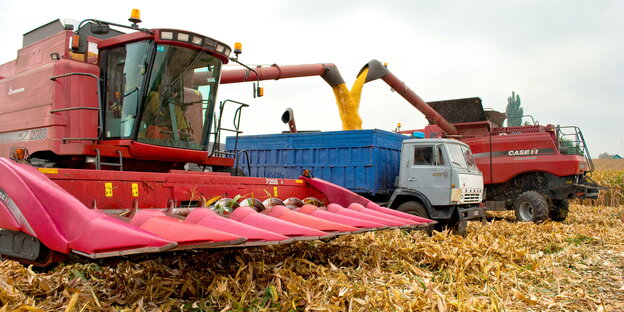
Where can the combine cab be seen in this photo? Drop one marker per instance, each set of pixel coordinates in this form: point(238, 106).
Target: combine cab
point(96, 129)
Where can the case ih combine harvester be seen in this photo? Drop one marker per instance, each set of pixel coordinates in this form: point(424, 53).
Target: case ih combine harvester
point(96, 127)
point(534, 169)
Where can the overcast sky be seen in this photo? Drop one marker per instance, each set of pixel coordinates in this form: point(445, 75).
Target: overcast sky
point(564, 58)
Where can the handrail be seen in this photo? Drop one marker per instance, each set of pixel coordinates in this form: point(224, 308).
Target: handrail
point(236, 124)
point(99, 163)
point(579, 143)
point(246, 153)
point(99, 104)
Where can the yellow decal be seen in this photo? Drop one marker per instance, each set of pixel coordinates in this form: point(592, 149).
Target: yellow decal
point(108, 189)
point(48, 170)
point(135, 189)
point(275, 191)
point(298, 181)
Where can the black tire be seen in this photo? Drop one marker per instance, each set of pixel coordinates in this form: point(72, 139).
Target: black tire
point(531, 206)
point(455, 226)
point(417, 209)
point(414, 208)
point(559, 210)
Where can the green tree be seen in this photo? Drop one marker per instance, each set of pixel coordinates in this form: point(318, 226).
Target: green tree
point(514, 111)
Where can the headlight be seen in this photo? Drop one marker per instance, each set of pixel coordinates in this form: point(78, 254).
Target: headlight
point(166, 35)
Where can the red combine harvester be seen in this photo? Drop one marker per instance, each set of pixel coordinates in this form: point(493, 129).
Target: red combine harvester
point(534, 170)
point(96, 128)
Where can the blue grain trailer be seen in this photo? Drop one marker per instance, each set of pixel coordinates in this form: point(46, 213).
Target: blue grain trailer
point(363, 161)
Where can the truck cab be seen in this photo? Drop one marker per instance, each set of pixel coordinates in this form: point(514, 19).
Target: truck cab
point(438, 179)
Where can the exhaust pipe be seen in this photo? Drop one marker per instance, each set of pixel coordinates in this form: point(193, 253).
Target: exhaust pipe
point(288, 117)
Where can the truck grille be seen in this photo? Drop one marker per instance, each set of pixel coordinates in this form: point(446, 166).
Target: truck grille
point(471, 197)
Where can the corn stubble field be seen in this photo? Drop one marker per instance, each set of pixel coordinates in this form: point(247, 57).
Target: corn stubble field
point(501, 265)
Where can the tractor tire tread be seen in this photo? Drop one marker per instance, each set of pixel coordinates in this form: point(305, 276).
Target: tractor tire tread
point(538, 203)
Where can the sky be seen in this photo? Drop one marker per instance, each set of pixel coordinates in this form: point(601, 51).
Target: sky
point(564, 58)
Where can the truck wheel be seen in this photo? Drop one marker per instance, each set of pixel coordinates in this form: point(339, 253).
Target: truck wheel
point(414, 208)
point(417, 209)
point(559, 210)
point(531, 206)
point(457, 227)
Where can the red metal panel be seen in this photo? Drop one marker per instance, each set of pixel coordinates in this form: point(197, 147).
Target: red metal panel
point(397, 213)
point(72, 92)
point(124, 39)
point(60, 221)
point(338, 209)
point(211, 219)
point(176, 230)
point(152, 152)
point(156, 189)
point(513, 154)
point(286, 214)
point(7, 221)
point(251, 217)
point(102, 233)
point(323, 214)
point(360, 208)
point(274, 72)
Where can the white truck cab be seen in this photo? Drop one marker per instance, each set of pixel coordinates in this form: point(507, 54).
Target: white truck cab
point(439, 179)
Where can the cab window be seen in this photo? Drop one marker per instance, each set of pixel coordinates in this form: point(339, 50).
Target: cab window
point(425, 156)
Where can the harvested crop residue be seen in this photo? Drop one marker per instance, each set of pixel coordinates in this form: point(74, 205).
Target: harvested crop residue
point(500, 265)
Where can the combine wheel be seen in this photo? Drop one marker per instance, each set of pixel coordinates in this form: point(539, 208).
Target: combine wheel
point(531, 206)
point(559, 210)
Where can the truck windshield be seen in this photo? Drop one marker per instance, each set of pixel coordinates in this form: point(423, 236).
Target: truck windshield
point(175, 105)
point(461, 157)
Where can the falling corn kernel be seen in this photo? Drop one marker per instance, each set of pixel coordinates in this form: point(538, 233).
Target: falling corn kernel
point(356, 90)
point(348, 111)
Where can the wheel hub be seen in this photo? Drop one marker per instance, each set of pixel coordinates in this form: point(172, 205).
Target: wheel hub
point(526, 211)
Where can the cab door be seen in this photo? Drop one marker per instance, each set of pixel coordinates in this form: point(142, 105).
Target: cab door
point(426, 168)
